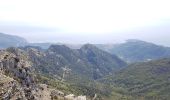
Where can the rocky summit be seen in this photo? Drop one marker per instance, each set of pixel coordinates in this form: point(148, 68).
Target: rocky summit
point(18, 81)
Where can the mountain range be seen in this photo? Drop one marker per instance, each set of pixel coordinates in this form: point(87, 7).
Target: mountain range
point(131, 51)
point(138, 51)
point(88, 61)
point(134, 70)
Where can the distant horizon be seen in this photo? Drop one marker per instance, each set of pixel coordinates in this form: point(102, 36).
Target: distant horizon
point(113, 43)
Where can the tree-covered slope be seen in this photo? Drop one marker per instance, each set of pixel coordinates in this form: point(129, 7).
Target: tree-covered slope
point(148, 80)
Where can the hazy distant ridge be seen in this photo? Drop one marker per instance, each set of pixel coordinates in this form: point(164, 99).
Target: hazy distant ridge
point(11, 41)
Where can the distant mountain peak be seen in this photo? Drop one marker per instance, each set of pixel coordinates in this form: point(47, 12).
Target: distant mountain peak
point(140, 42)
point(57, 46)
point(134, 40)
point(88, 46)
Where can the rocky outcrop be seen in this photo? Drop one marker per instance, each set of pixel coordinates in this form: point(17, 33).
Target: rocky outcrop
point(18, 80)
point(16, 70)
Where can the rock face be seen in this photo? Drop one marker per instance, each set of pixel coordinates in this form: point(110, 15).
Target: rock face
point(15, 69)
point(17, 79)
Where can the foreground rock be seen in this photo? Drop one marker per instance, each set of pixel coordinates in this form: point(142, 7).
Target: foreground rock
point(17, 80)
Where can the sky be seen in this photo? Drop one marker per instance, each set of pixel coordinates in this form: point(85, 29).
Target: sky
point(87, 21)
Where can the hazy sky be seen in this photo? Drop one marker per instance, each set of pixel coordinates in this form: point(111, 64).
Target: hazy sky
point(81, 21)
